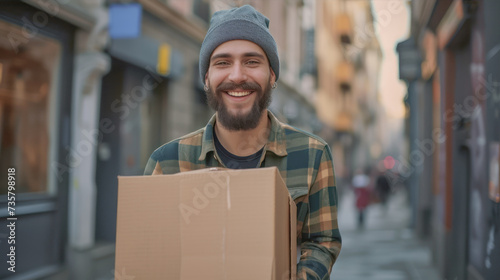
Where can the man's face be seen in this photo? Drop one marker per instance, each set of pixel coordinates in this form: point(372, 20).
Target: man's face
point(239, 79)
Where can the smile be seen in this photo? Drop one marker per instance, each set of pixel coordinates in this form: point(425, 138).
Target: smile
point(239, 93)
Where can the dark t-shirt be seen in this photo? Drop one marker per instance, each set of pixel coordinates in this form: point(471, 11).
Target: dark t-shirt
point(236, 162)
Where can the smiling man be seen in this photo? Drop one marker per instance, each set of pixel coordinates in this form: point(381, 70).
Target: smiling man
point(239, 65)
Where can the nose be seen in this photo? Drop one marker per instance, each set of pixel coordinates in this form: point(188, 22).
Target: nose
point(237, 74)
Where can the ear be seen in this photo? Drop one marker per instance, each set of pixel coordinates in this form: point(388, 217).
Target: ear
point(273, 76)
point(206, 78)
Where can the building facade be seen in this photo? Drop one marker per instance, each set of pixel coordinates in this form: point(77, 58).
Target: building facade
point(347, 100)
point(42, 45)
point(455, 101)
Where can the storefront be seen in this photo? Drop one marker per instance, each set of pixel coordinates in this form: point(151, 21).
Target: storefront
point(36, 64)
point(467, 204)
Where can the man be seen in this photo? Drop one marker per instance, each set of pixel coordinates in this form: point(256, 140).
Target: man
point(239, 64)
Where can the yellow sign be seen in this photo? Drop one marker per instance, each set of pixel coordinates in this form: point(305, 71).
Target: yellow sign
point(163, 65)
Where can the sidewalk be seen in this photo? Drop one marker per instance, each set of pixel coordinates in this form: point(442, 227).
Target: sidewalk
point(96, 263)
point(385, 249)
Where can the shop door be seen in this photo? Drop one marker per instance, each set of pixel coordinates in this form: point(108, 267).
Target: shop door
point(136, 111)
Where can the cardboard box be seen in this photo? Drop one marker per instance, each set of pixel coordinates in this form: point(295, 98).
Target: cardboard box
point(206, 224)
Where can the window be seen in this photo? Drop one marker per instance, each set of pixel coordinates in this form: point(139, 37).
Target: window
point(28, 75)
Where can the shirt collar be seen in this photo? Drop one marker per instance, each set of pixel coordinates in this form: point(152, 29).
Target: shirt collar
point(207, 143)
point(276, 142)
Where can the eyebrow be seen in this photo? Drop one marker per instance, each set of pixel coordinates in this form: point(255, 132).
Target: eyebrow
point(227, 55)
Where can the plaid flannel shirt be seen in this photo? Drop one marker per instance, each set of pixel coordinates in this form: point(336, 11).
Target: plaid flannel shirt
point(305, 163)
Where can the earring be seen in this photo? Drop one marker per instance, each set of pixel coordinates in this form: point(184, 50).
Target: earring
point(205, 88)
point(275, 85)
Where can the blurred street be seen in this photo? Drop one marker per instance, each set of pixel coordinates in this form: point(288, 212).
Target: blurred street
point(385, 249)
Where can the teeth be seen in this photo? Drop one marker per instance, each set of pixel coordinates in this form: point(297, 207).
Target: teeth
point(238, 93)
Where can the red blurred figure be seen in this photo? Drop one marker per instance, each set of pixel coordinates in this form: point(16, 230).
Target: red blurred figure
point(362, 190)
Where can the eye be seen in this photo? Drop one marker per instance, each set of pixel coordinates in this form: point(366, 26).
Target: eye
point(253, 62)
point(221, 63)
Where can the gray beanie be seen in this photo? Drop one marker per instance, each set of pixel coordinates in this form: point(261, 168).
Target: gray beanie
point(243, 23)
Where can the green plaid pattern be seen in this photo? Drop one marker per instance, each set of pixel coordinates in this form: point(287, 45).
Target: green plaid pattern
point(305, 163)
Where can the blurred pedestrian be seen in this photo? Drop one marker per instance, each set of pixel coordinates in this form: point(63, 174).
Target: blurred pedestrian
point(382, 189)
point(362, 191)
point(239, 65)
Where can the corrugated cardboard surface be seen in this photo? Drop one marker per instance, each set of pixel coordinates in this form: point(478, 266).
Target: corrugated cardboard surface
point(225, 224)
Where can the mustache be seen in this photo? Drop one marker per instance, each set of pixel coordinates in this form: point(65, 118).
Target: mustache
point(230, 86)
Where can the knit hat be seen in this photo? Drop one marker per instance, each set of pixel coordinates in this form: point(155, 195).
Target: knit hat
point(243, 23)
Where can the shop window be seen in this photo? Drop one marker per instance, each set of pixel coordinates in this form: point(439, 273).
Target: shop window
point(28, 75)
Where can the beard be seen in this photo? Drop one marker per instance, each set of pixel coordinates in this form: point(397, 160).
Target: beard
point(239, 121)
